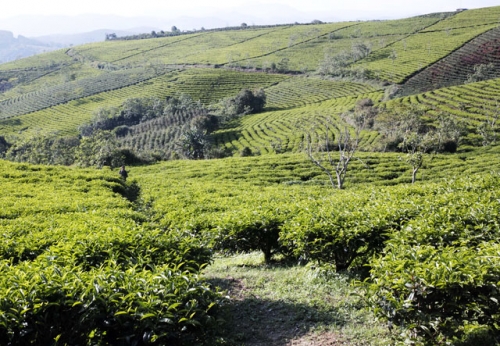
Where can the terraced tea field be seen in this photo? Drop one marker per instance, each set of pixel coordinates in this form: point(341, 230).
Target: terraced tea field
point(281, 130)
point(65, 92)
point(472, 103)
point(456, 67)
point(297, 92)
point(408, 56)
point(62, 89)
point(306, 56)
point(206, 85)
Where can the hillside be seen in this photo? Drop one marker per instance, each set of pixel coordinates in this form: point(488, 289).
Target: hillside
point(327, 183)
point(57, 92)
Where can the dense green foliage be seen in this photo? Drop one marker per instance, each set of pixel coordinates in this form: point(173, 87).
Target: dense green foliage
point(438, 276)
point(80, 266)
point(98, 239)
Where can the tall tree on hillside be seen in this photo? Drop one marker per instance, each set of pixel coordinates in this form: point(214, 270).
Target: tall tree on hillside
point(405, 129)
point(100, 149)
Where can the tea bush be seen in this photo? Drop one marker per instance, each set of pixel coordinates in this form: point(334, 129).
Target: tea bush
point(439, 275)
point(79, 265)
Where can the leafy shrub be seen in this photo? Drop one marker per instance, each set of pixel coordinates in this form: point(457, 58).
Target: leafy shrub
point(246, 151)
point(248, 230)
point(347, 233)
point(108, 306)
point(80, 266)
point(246, 102)
point(433, 294)
point(439, 275)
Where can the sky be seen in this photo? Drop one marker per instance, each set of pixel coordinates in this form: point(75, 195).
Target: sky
point(258, 11)
point(12, 8)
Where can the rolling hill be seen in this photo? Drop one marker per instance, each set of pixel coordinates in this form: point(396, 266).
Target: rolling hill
point(57, 92)
point(262, 112)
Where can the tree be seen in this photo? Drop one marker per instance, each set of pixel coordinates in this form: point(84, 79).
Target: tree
point(481, 72)
point(246, 102)
point(4, 146)
point(346, 144)
point(415, 145)
point(361, 50)
point(44, 149)
point(63, 150)
point(205, 123)
point(181, 102)
point(449, 132)
point(363, 115)
point(98, 150)
point(404, 129)
point(35, 150)
point(339, 64)
point(194, 144)
point(282, 65)
point(334, 65)
point(360, 117)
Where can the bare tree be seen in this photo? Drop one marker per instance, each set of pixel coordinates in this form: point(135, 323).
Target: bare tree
point(347, 141)
point(334, 166)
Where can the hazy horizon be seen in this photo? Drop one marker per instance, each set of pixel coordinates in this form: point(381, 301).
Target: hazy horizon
point(50, 17)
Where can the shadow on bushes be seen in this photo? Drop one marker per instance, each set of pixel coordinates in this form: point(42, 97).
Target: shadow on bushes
point(130, 190)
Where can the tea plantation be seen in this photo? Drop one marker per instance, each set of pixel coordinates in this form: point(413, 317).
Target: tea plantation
point(232, 227)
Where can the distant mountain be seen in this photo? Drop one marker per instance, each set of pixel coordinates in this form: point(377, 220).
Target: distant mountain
point(36, 26)
point(12, 48)
point(88, 37)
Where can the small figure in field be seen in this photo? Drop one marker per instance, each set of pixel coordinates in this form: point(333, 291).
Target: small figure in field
point(123, 173)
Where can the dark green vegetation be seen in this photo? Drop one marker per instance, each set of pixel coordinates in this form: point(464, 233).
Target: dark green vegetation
point(405, 112)
point(78, 250)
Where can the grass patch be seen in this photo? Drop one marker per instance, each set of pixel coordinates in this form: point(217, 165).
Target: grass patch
point(283, 304)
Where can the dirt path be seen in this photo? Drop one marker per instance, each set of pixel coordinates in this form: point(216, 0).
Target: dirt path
point(253, 321)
